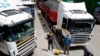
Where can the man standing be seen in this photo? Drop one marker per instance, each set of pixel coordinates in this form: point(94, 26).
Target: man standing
point(67, 42)
point(50, 40)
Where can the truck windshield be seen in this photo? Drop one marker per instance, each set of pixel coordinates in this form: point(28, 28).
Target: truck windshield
point(80, 26)
point(20, 31)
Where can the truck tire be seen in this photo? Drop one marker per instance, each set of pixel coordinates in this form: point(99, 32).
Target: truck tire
point(59, 39)
point(62, 41)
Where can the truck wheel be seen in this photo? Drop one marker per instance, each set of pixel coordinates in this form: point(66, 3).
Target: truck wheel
point(62, 41)
point(58, 32)
point(59, 39)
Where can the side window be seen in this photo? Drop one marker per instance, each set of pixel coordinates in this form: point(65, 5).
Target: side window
point(1, 36)
point(1, 33)
point(64, 23)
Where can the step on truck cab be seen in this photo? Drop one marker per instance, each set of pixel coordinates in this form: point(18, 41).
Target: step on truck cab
point(17, 34)
point(73, 19)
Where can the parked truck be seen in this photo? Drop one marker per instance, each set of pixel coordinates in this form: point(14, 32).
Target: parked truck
point(17, 34)
point(68, 18)
point(26, 5)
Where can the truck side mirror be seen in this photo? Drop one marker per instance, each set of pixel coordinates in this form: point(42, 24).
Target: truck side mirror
point(64, 25)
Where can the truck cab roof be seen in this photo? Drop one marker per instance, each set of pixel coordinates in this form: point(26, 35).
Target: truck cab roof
point(74, 10)
point(77, 14)
point(13, 17)
point(10, 13)
point(66, 6)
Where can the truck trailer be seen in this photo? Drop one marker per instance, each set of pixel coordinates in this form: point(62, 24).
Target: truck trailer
point(68, 18)
point(17, 34)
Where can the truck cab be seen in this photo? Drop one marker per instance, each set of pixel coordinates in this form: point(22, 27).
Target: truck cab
point(16, 30)
point(76, 22)
point(26, 6)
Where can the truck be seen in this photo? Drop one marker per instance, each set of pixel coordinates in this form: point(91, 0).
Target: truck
point(17, 33)
point(68, 18)
point(26, 5)
point(29, 3)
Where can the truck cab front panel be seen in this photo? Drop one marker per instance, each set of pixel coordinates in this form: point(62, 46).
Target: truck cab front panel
point(80, 38)
point(26, 46)
point(20, 37)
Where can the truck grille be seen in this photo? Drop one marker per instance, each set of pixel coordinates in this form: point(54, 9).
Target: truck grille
point(26, 46)
point(80, 38)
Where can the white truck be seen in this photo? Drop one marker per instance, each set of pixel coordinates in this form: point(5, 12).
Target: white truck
point(26, 5)
point(73, 19)
point(28, 2)
point(17, 34)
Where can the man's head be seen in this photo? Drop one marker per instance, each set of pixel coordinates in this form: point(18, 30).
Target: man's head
point(48, 33)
